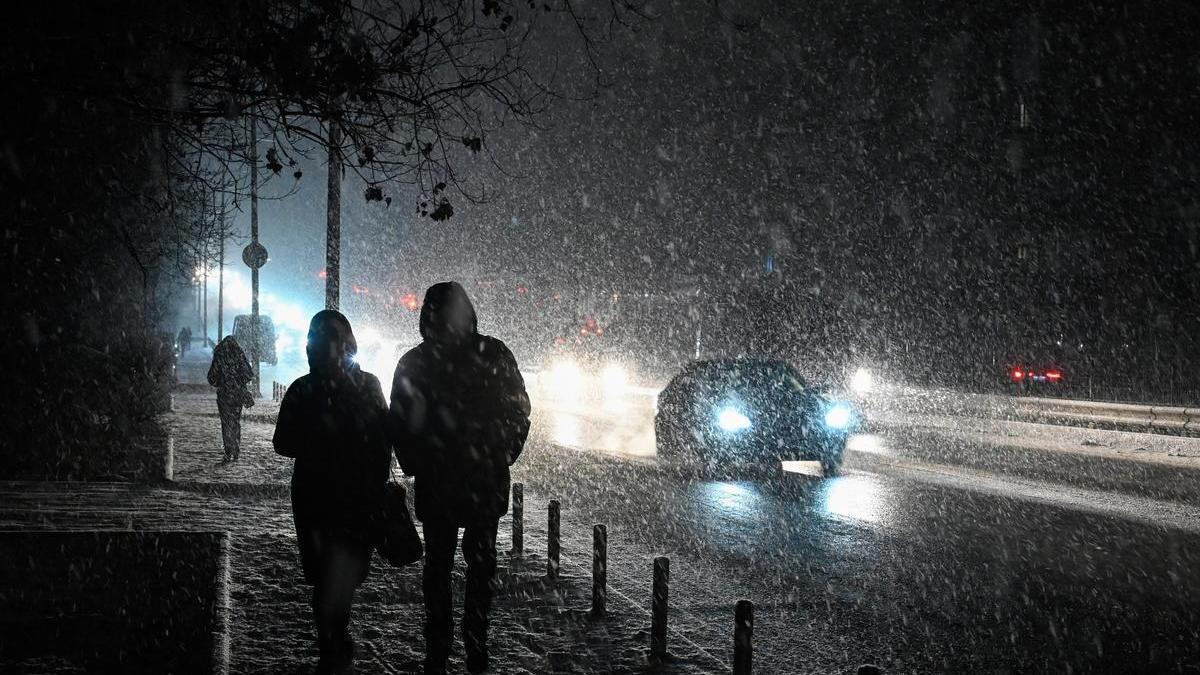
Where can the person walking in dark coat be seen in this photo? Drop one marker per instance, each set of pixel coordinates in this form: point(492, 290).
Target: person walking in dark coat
point(333, 423)
point(459, 419)
point(185, 341)
point(230, 373)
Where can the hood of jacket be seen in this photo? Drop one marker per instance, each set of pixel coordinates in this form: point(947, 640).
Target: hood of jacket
point(331, 345)
point(447, 316)
point(228, 348)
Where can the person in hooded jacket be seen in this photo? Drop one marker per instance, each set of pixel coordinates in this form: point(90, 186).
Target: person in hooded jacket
point(333, 423)
point(185, 341)
point(459, 419)
point(230, 373)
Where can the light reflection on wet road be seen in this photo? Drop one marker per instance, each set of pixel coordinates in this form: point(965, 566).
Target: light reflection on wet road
point(921, 567)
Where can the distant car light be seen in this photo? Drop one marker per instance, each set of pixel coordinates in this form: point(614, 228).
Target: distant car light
point(566, 380)
point(838, 417)
point(731, 419)
point(614, 380)
point(862, 382)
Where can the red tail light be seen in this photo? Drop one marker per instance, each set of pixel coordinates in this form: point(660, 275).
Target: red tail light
point(1053, 375)
point(1016, 374)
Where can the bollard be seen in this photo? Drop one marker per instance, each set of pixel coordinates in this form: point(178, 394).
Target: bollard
point(743, 634)
point(552, 545)
point(518, 518)
point(599, 570)
point(658, 609)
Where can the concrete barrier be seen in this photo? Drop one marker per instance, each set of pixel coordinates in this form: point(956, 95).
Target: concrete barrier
point(116, 602)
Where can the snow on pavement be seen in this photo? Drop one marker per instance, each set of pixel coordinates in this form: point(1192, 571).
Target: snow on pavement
point(538, 626)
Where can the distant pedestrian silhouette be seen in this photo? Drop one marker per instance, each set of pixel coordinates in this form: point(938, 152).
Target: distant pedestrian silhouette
point(185, 341)
point(333, 422)
point(459, 418)
point(231, 373)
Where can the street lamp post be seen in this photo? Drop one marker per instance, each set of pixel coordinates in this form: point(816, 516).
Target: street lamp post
point(255, 256)
point(204, 291)
point(221, 272)
point(333, 231)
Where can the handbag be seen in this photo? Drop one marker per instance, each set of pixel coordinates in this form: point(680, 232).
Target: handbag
point(395, 534)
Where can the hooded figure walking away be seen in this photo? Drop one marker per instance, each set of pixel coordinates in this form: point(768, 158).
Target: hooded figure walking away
point(185, 341)
point(459, 418)
point(230, 373)
point(333, 422)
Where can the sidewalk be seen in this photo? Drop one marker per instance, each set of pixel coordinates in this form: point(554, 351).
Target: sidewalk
point(537, 626)
point(197, 430)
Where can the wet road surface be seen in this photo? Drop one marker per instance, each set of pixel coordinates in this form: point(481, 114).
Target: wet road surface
point(915, 565)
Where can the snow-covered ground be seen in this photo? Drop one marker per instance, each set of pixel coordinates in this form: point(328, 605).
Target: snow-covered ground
point(830, 529)
point(538, 626)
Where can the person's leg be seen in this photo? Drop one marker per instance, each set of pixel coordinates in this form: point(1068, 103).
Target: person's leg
point(479, 550)
point(236, 429)
point(228, 440)
point(314, 551)
point(440, 541)
point(344, 563)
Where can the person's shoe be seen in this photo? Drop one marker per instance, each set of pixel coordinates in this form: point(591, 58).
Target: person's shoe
point(346, 647)
point(477, 662)
point(337, 657)
point(335, 665)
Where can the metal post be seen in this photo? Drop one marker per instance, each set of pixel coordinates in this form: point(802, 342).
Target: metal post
point(204, 298)
point(552, 537)
point(518, 518)
point(333, 217)
point(743, 634)
point(221, 272)
point(658, 608)
point(599, 570)
point(255, 357)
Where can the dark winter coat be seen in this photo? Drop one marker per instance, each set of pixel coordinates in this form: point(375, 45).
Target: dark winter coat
point(230, 371)
point(333, 422)
point(459, 416)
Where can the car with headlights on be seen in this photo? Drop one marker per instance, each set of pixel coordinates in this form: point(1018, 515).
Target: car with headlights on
point(724, 413)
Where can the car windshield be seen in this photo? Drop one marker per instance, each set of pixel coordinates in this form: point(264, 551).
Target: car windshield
point(757, 378)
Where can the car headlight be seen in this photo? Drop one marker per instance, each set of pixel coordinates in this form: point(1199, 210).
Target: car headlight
point(731, 419)
point(838, 417)
point(613, 379)
point(862, 382)
point(566, 380)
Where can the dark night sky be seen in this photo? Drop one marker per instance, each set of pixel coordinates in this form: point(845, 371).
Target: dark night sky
point(875, 149)
point(879, 144)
